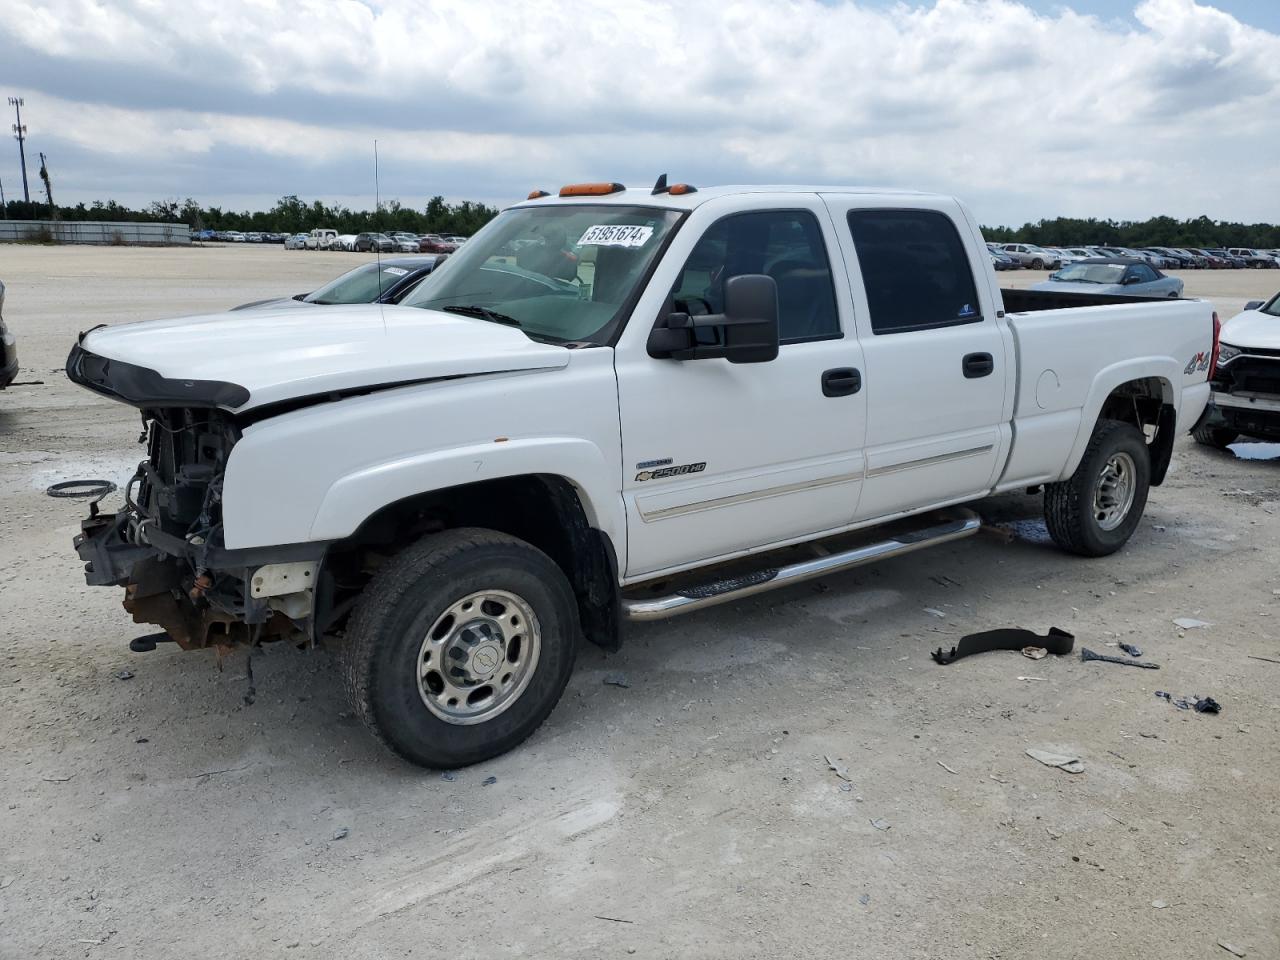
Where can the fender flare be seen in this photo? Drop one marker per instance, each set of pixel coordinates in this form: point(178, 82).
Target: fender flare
point(355, 497)
point(1165, 369)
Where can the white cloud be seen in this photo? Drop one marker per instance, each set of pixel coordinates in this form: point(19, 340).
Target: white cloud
point(1025, 114)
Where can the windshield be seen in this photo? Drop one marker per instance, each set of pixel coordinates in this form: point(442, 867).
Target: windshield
point(1091, 273)
point(563, 272)
point(1271, 308)
point(364, 284)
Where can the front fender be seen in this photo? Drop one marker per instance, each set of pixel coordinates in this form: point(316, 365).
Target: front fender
point(1165, 369)
point(355, 497)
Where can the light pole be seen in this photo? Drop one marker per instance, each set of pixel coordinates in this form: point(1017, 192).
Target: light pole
point(20, 134)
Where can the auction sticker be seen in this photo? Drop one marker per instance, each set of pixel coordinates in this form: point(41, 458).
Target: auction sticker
point(606, 235)
point(395, 271)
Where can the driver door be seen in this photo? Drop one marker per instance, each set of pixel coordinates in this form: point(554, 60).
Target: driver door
point(722, 458)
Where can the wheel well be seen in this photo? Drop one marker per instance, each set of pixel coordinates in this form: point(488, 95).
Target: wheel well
point(541, 509)
point(1147, 404)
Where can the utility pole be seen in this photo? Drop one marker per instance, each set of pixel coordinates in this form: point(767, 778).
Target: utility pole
point(4, 210)
point(48, 186)
point(20, 134)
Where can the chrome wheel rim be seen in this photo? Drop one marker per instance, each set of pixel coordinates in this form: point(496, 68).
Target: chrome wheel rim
point(1113, 494)
point(479, 656)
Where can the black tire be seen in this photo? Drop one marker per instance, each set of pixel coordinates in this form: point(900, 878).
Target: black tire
point(1037, 264)
point(403, 602)
point(1216, 437)
point(1069, 505)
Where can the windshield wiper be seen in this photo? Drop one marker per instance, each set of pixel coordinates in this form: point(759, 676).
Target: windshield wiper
point(484, 313)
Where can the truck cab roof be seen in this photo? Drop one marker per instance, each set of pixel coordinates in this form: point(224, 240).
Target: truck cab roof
point(644, 196)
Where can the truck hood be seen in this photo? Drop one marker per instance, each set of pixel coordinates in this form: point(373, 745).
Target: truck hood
point(1253, 328)
point(251, 358)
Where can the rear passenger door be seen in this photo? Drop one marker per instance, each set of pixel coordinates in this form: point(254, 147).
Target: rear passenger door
point(939, 374)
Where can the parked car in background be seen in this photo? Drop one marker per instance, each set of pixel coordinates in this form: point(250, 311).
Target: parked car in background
point(1032, 256)
point(1245, 397)
point(388, 281)
point(1212, 260)
point(1235, 263)
point(434, 243)
point(233, 236)
point(296, 242)
point(1118, 276)
point(321, 238)
point(202, 234)
point(406, 242)
point(344, 241)
point(1255, 259)
point(1002, 261)
point(1066, 256)
point(373, 243)
point(8, 348)
point(456, 241)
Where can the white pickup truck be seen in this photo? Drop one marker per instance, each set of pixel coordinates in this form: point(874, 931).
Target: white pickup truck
point(616, 404)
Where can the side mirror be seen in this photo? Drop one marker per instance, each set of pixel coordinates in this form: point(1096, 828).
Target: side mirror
point(1254, 304)
point(747, 331)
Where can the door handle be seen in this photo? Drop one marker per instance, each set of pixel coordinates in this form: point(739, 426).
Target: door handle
point(977, 365)
point(841, 382)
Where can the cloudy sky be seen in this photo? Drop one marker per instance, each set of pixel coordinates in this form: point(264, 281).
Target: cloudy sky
point(1026, 108)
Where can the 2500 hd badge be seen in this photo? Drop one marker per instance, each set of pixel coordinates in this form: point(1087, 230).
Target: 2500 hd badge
point(664, 472)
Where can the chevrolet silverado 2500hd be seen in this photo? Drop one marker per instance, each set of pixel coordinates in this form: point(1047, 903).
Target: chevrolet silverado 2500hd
point(616, 404)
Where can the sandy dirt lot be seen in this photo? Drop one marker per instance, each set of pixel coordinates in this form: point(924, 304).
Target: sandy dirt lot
point(691, 814)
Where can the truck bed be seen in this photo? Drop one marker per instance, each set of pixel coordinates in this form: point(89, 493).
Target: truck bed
point(1029, 301)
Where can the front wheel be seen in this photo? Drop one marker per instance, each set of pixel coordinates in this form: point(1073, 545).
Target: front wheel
point(1037, 264)
point(1095, 511)
point(461, 647)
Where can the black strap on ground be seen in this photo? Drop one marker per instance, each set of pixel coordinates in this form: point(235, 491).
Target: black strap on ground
point(1010, 638)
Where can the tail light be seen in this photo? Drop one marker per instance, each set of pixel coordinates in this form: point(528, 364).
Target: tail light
point(1217, 345)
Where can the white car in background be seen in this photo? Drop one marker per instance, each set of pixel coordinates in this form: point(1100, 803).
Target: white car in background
point(456, 241)
point(344, 241)
point(234, 236)
point(1032, 256)
point(296, 242)
point(1068, 256)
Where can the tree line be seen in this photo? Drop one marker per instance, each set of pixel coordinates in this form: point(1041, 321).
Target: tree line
point(289, 215)
point(1156, 232)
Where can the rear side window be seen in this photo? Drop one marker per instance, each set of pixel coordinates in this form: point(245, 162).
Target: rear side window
point(784, 244)
point(915, 271)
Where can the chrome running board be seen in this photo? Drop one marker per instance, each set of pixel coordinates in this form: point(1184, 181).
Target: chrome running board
point(964, 523)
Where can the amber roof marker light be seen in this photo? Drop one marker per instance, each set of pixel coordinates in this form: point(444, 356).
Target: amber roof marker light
point(537, 194)
point(676, 190)
point(590, 189)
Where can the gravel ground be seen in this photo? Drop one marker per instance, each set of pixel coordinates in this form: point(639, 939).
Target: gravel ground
point(147, 812)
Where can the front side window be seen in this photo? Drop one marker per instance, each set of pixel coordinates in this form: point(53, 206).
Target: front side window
point(914, 269)
point(564, 272)
point(783, 244)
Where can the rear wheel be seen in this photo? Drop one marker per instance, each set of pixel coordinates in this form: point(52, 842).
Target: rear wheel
point(1218, 437)
point(1037, 264)
point(1095, 511)
point(461, 646)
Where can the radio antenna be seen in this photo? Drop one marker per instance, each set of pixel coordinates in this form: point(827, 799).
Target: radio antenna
point(377, 214)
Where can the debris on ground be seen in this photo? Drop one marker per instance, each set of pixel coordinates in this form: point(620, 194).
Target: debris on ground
point(944, 766)
point(1197, 703)
point(1263, 659)
point(124, 674)
point(1087, 656)
point(839, 770)
point(7, 881)
point(1062, 761)
point(1230, 949)
point(935, 613)
point(447, 776)
point(864, 899)
point(1057, 642)
point(340, 834)
point(616, 680)
point(488, 781)
point(881, 824)
point(1159, 904)
point(1191, 623)
point(1130, 649)
point(1035, 653)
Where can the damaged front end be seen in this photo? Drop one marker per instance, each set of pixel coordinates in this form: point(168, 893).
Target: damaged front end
point(165, 547)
